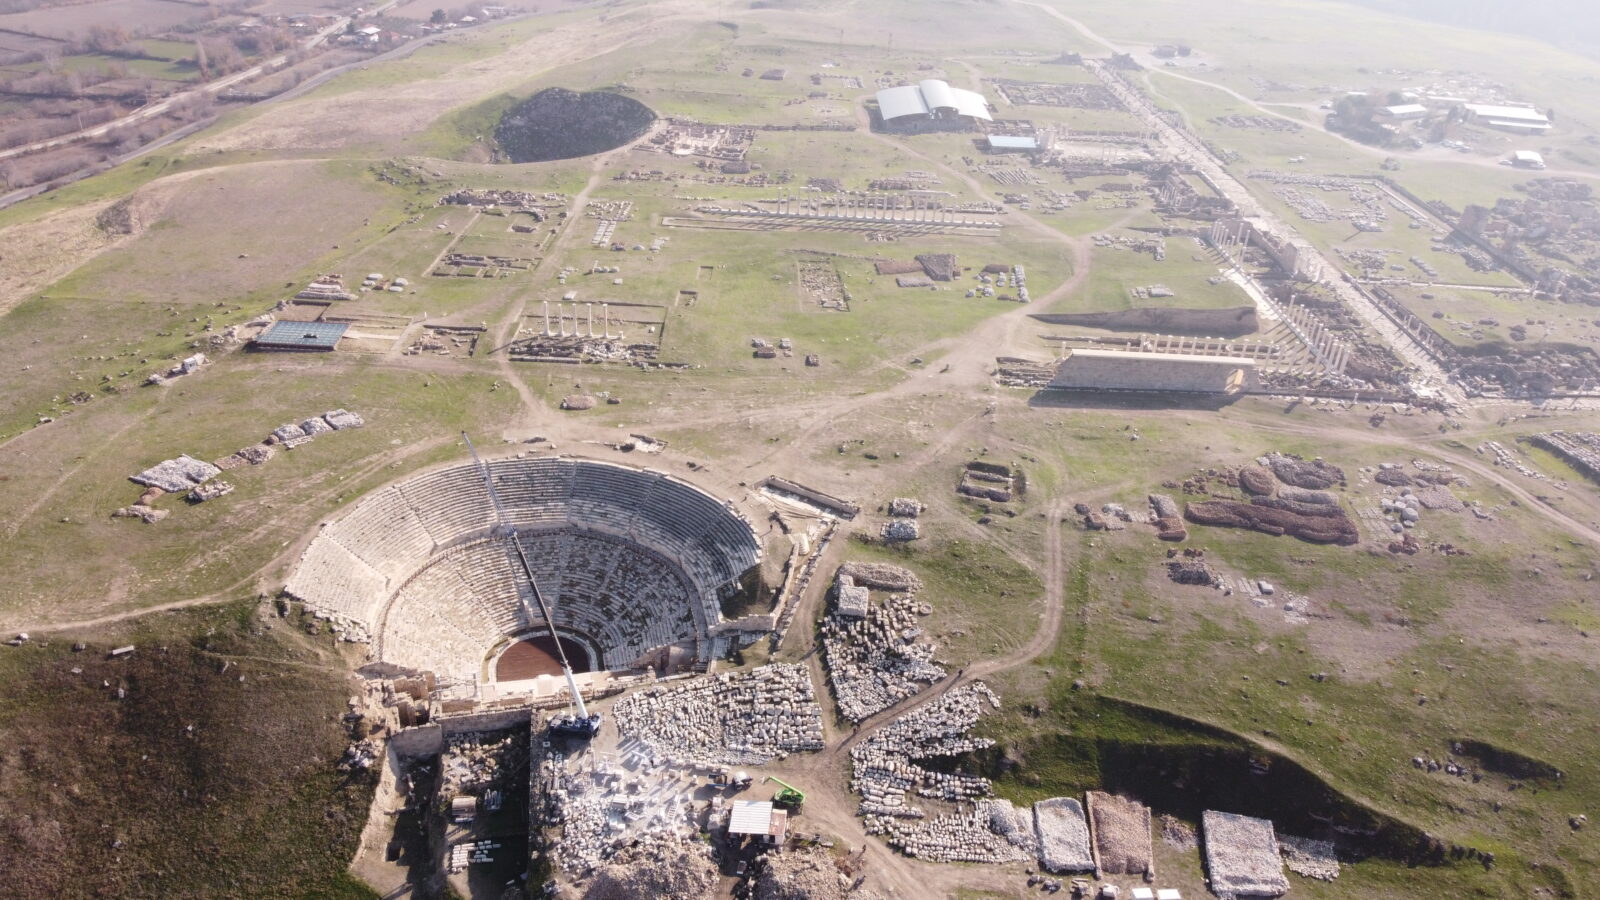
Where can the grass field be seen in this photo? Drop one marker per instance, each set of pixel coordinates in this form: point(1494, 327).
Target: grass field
point(219, 735)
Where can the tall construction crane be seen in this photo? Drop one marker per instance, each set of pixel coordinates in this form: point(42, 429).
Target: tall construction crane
point(579, 725)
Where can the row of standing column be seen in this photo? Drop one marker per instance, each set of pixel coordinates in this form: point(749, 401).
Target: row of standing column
point(579, 329)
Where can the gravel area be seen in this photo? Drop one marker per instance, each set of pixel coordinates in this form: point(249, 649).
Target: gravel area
point(1063, 834)
point(1121, 835)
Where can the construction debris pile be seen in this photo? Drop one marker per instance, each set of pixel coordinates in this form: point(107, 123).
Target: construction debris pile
point(1062, 832)
point(734, 719)
point(656, 867)
point(885, 766)
point(803, 874)
point(1308, 858)
point(1242, 856)
point(1121, 829)
point(875, 657)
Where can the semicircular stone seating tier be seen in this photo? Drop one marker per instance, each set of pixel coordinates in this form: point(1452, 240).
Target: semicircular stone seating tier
point(630, 560)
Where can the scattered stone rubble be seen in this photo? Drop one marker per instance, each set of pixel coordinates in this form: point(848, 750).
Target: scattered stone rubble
point(876, 658)
point(885, 766)
point(1177, 833)
point(189, 366)
point(731, 719)
point(1242, 856)
point(209, 491)
point(481, 763)
point(1062, 832)
point(149, 514)
point(1309, 858)
point(656, 867)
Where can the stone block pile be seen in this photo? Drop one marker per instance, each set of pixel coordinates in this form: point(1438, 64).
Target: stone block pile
point(897, 530)
point(293, 434)
point(176, 476)
point(189, 476)
point(876, 658)
point(733, 719)
point(993, 832)
point(885, 765)
point(1242, 856)
point(882, 576)
point(905, 508)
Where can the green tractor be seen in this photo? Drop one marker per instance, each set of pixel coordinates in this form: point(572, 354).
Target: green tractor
point(789, 798)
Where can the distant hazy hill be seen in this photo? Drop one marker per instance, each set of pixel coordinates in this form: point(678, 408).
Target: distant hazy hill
point(1570, 24)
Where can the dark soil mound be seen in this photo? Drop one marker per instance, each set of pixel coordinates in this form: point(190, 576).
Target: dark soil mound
point(1257, 481)
point(1306, 521)
point(560, 124)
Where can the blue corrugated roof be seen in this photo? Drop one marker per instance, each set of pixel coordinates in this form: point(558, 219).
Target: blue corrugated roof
point(304, 335)
point(1010, 142)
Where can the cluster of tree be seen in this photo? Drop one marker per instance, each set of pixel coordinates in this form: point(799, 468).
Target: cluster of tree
point(18, 131)
point(32, 170)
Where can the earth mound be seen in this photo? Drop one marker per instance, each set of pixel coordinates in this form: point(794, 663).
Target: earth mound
point(560, 124)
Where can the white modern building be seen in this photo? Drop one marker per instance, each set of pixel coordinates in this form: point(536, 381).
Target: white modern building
point(915, 106)
point(1520, 119)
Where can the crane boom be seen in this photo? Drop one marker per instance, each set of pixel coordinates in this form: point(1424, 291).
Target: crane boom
point(505, 528)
